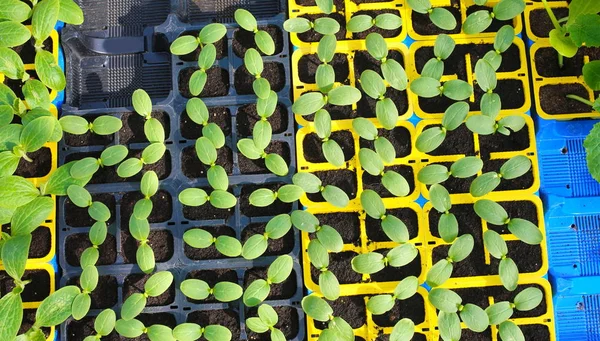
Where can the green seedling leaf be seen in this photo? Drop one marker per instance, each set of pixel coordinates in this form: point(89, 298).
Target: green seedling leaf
point(499, 312)
point(280, 269)
point(145, 258)
point(407, 288)
point(385, 149)
point(48, 71)
point(79, 196)
point(402, 255)
point(70, 13)
point(142, 103)
point(184, 45)
point(11, 305)
point(504, 38)
point(256, 293)
point(193, 197)
point(28, 217)
point(404, 330)
point(387, 113)
point(131, 329)
point(99, 211)
point(484, 184)
point(477, 22)
point(56, 308)
point(322, 123)
point(149, 185)
point(262, 197)
point(9, 162)
point(360, 23)
point(368, 263)
point(579, 7)
point(509, 331)
point(16, 191)
point(439, 273)
point(309, 182)
point(255, 246)
point(440, 198)
point(395, 184)
point(89, 278)
point(434, 68)
point(253, 62)
point(197, 111)
point(442, 18)
point(335, 196)
point(187, 332)
point(448, 227)
point(426, 87)
point(376, 46)
point(394, 74)
point(475, 318)
point(372, 204)
point(153, 153)
point(388, 21)
point(317, 308)
point(198, 82)
point(508, 9)
point(528, 299)
point(326, 26)
point(491, 212)
point(515, 167)
point(89, 257)
point(246, 20)
point(14, 10)
point(222, 199)
point(13, 34)
point(495, 245)
point(105, 322)
point(297, 25)
point(249, 149)
point(444, 46)
point(461, 248)
point(113, 155)
point(466, 167)
point(265, 42)
point(455, 115)
point(370, 161)
point(37, 133)
point(14, 255)
point(308, 103)
point(330, 238)
point(494, 58)
point(344, 95)
point(212, 33)
point(74, 124)
point(98, 233)
point(195, 289)
point(445, 300)
point(228, 246)
point(380, 304)
point(526, 231)
point(563, 43)
point(216, 333)
point(267, 314)
point(317, 254)
point(329, 285)
point(278, 226)
point(433, 174)
point(333, 153)
point(457, 89)
point(160, 332)
point(158, 283)
point(515, 123)
point(153, 129)
point(326, 48)
point(419, 6)
point(289, 193)
point(305, 221)
point(217, 178)
point(364, 128)
point(430, 139)
point(107, 125)
point(262, 134)
point(509, 274)
point(44, 18)
point(486, 76)
point(372, 84)
point(256, 325)
point(11, 64)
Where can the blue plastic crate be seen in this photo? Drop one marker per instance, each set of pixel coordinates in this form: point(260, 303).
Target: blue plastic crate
point(577, 309)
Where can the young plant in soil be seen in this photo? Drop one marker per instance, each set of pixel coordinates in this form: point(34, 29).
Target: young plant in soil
point(87, 167)
point(209, 35)
point(201, 239)
point(102, 125)
point(372, 163)
point(198, 112)
point(439, 16)
point(381, 304)
point(463, 169)
point(104, 324)
point(450, 308)
point(331, 149)
point(156, 285)
point(431, 138)
point(441, 271)
point(325, 26)
point(155, 133)
point(256, 245)
point(363, 22)
point(428, 87)
point(367, 130)
point(255, 66)
point(310, 183)
point(319, 310)
point(392, 71)
point(259, 290)
point(479, 21)
point(579, 29)
point(448, 225)
point(263, 40)
point(511, 169)
point(192, 331)
point(35, 94)
point(265, 322)
point(199, 290)
point(499, 312)
point(502, 41)
point(264, 197)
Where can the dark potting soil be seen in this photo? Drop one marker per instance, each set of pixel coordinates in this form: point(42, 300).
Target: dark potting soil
point(527, 257)
point(106, 293)
point(278, 207)
point(473, 265)
point(206, 211)
point(364, 61)
point(80, 242)
point(212, 277)
point(35, 291)
point(281, 246)
point(40, 241)
point(352, 309)
point(161, 212)
point(453, 184)
point(375, 29)
point(534, 332)
point(517, 209)
point(468, 221)
point(288, 323)
point(79, 330)
point(546, 63)
point(106, 175)
point(79, 217)
point(366, 106)
point(312, 36)
point(480, 296)
point(281, 291)
point(133, 127)
point(27, 51)
point(313, 151)
point(406, 215)
point(134, 284)
point(393, 274)
point(89, 138)
point(217, 83)
point(192, 167)
point(248, 166)
point(244, 40)
point(553, 99)
point(308, 64)
point(541, 24)
point(416, 337)
point(423, 25)
point(344, 179)
point(399, 137)
point(227, 318)
point(221, 47)
point(161, 242)
point(41, 165)
point(210, 252)
point(374, 182)
point(494, 143)
point(523, 182)
point(412, 308)
point(247, 117)
point(458, 141)
point(221, 116)
point(347, 225)
point(340, 264)
point(273, 72)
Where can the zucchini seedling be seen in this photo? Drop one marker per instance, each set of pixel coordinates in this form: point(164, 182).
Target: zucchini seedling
point(450, 308)
point(331, 149)
point(319, 258)
point(392, 71)
point(310, 183)
point(319, 310)
point(207, 153)
point(372, 262)
point(195, 197)
point(367, 130)
point(363, 22)
point(192, 332)
point(102, 125)
point(263, 40)
point(513, 168)
point(139, 227)
point(201, 239)
point(135, 328)
point(393, 227)
point(155, 133)
point(197, 289)
point(372, 163)
point(88, 166)
point(502, 42)
point(206, 59)
point(431, 138)
point(428, 87)
point(104, 324)
point(385, 109)
point(264, 197)
point(507, 269)
point(322, 25)
point(257, 244)
point(155, 286)
point(463, 168)
point(198, 112)
point(441, 271)
point(442, 49)
point(255, 66)
point(36, 96)
point(439, 16)
point(479, 21)
point(265, 322)
point(277, 273)
point(381, 304)
point(441, 202)
point(500, 312)
point(591, 78)
point(209, 35)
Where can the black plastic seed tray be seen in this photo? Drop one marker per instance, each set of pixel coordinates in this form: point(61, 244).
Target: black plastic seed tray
point(173, 308)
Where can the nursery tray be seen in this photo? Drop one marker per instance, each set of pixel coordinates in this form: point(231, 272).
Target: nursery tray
point(420, 26)
point(532, 260)
point(173, 308)
point(555, 84)
point(350, 61)
point(535, 12)
point(456, 146)
point(513, 75)
point(343, 15)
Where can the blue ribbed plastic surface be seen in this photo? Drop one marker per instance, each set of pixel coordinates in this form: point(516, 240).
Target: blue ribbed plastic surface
point(577, 308)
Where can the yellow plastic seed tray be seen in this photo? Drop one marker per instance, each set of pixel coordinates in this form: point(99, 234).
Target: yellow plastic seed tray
point(354, 165)
point(371, 331)
point(539, 82)
point(432, 242)
point(348, 48)
point(530, 152)
point(364, 246)
point(521, 74)
point(534, 7)
point(30, 67)
point(348, 12)
point(463, 6)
